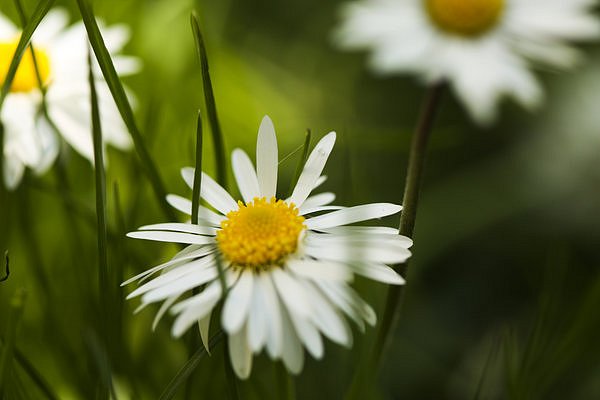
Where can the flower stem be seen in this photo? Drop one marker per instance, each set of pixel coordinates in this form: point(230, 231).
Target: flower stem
point(414, 177)
point(366, 373)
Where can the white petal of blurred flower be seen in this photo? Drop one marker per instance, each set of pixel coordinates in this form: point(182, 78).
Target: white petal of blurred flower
point(287, 271)
point(483, 48)
point(30, 138)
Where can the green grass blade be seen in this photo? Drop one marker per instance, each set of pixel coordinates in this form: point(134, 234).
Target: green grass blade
point(211, 107)
point(188, 368)
point(41, 10)
point(7, 352)
point(197, 171)
point(34, 375)
point(100, 183)
point(118, 92)
point(6, 266)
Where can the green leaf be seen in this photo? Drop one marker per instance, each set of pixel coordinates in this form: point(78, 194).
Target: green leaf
point(118, 92)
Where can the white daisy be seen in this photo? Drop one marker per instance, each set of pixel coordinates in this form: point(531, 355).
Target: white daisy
point(483, 48)
point(288, 271)
point(61, 55)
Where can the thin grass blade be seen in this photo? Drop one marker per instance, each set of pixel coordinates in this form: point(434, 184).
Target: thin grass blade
point(211, 107)
point(118, 92)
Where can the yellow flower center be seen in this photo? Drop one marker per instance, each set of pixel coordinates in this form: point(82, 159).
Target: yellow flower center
point(260, 233)
point(465, 17)
point(25, 79)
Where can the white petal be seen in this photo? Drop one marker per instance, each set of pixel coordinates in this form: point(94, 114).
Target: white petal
point(343, 294)
point(258, 317)
point(377, 272)
point(273, 310)
point(52, 24)
point(178, 286)
point(211, 191)
point(318, 200)
point(367, 230)
point(314, 269)
point(174, 274)
point(204, 250)
point(312, 169)
point(240, 354)
point(245, 175)
point(327, 319)
point(13, 172)
point(266, 158)
point(291, 293)
point(382, 253)
point(177, 227)
point(195, 308)
point(237, 303)
point(312, 210)
point(293, 354)
point(163, 309)
point(171, 237)
point(353, 214)
point(204, 328)
point(308, 334)
point(185, 206)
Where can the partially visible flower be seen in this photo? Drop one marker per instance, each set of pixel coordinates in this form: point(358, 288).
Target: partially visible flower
point(30, 138)
point(287, 269)
point(481, 47)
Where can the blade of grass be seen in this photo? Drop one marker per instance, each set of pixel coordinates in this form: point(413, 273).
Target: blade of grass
point(231, 379)
point(34, 375)
point(301, 162)
point(100, 182)
point(197, 171)
point(118, 92)
point(188, 368)
point(40, 11)
point(6, 354)
point(211, 108)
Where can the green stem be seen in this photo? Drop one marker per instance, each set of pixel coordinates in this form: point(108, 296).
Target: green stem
point(211, 107)
point(367, 372)
point(285, 382)
point(100, 181)
point(416, 166)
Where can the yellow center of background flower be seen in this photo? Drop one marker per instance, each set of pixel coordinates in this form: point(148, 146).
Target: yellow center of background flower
point(260, 233)
point(25, 79)
point(465, 17)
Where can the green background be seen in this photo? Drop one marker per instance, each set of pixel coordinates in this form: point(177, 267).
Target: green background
point(503, 289)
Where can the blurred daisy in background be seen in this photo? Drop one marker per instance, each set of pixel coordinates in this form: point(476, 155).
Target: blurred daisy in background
point(483, 48)
point(287, 263)
point(61, 53)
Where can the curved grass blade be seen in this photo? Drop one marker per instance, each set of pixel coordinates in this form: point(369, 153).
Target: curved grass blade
point(40, 11)
point(301, 162)
point(188, 368)
point(34, 375)
point(118, 92)
point(211, 107)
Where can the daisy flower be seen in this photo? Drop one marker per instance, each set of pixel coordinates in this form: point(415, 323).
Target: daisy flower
point(483, 48)
point(287, 263)
point(30, 138)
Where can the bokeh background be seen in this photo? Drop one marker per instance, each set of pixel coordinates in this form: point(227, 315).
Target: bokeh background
point(504, 286)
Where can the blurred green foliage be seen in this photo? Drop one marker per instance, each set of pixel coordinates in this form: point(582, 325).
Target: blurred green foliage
point(502, 293)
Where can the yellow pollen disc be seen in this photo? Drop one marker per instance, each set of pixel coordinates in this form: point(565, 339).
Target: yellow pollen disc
point(260, 233)
point(25, 79)
point(465, 17)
